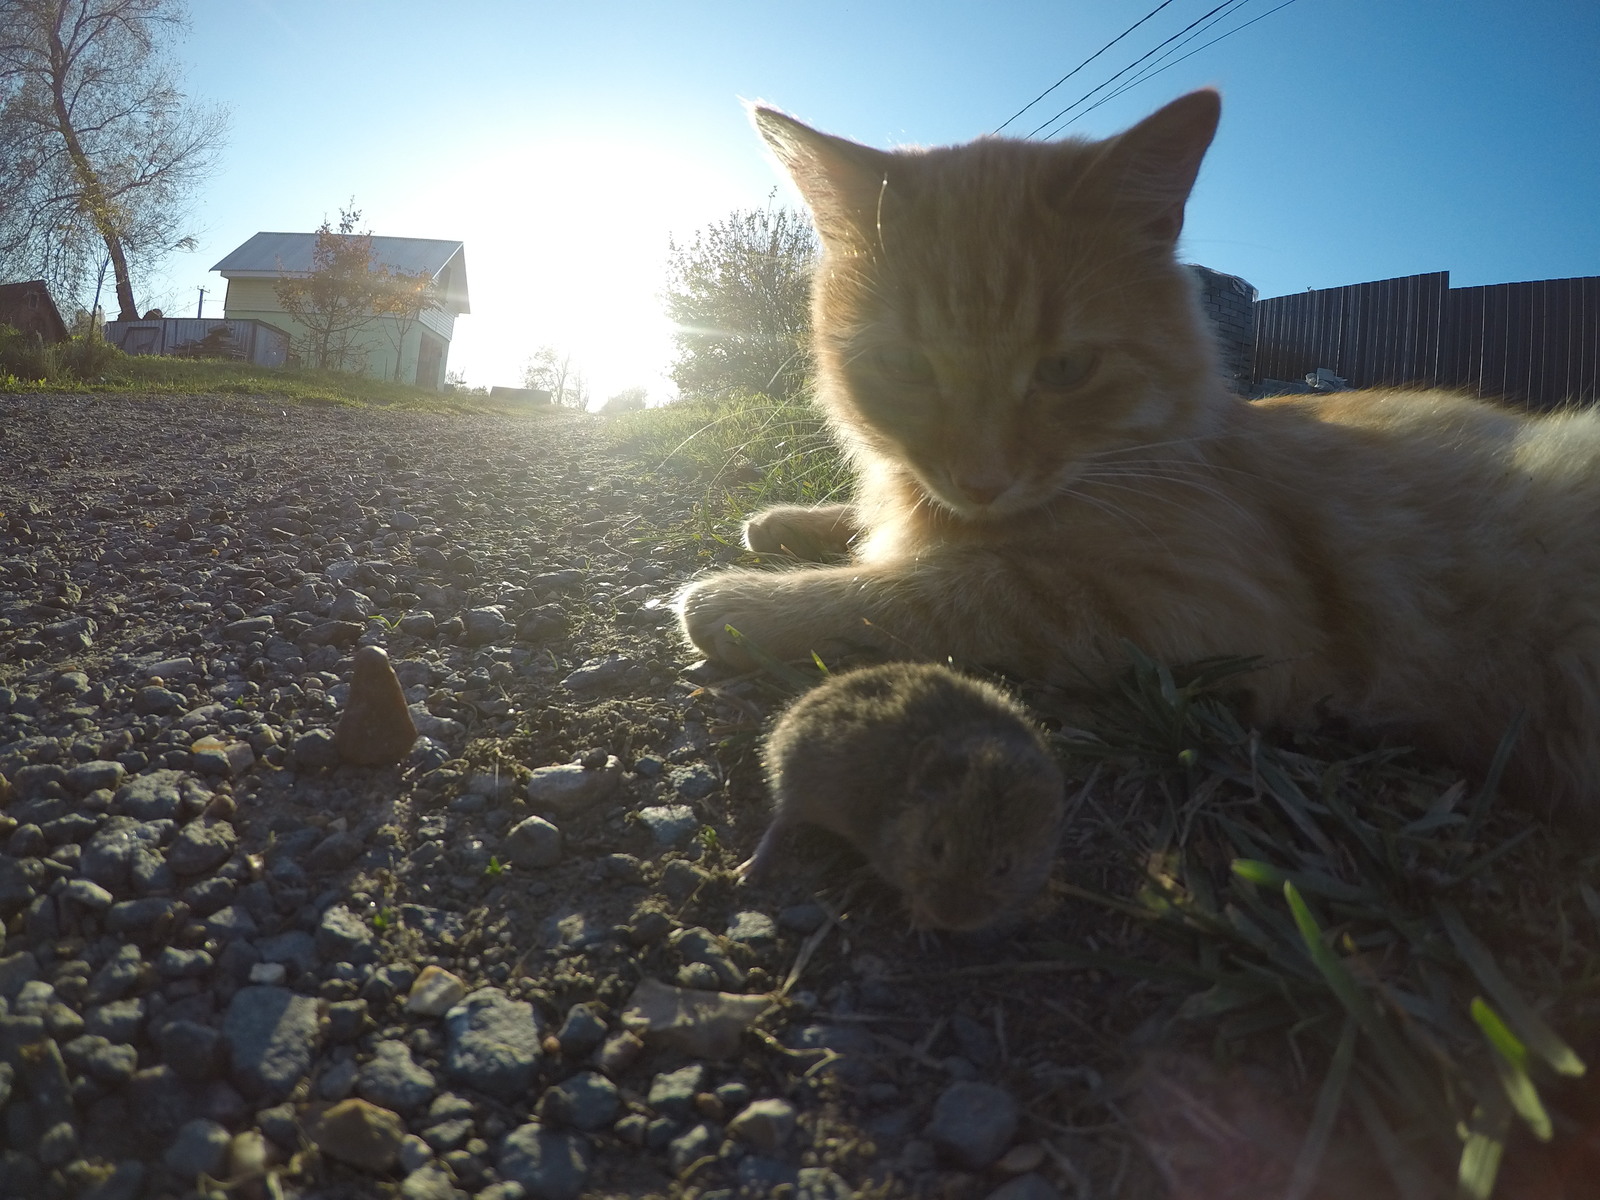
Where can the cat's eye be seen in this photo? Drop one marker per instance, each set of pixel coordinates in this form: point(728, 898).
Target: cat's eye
point(1062, 372)
point(901, 364)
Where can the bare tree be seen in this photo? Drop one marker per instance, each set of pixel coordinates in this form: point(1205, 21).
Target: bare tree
point(97, 145)
point(739, 295)
point(554, 371)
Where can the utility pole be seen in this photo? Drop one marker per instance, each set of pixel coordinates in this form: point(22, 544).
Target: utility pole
point(201, 311)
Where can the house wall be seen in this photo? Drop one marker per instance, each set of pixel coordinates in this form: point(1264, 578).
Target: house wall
point(376, 342)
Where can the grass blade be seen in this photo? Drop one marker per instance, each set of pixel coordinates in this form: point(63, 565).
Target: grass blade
point(1398, 1062)
point(1511, 1062)
point(1330, 1098)
point(1518, 1013)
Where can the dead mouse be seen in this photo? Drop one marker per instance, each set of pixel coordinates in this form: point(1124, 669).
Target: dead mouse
point(941, 781)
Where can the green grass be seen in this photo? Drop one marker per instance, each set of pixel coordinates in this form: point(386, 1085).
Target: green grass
point(106, 369)
point(1336, 907)
point(750, 451)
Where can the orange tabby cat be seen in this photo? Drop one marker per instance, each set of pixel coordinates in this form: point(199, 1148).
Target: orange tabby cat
point(1049, 464)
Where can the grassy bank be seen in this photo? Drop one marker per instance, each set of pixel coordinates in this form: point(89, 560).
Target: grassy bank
point(94, 366)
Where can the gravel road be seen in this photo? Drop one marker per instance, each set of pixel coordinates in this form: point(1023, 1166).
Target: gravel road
point(514, 964)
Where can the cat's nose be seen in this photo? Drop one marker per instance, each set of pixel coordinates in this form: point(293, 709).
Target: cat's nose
point(982, 489)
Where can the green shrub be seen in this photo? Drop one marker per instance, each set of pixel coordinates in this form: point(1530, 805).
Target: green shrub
point(86, 357)
point(26, 356)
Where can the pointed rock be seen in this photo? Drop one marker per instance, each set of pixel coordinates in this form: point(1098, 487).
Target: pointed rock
point(376, 728)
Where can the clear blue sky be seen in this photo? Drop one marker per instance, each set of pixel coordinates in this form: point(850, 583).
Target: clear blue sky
point(563, 142)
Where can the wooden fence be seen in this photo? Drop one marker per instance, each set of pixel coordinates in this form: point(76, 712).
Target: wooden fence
point(1536, 344)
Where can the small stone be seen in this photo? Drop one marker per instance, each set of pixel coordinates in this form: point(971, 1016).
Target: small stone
point(973, 1123)
point(376, 728)
point(669, 824)
point(201, 846)
point(582, 1030)
point(493, 1043)
point(689, 1148)
point(393, 1079)
point(533, 843)
point(213, 756)
point(269, 974)
point(431, 1182)
point(598, 673)
point(156, 701)
point(586, 1101)
point(694, 782)
point(358, 1133)
point(549, 1165)
point(201, 1148)
point(191, 1049)
point(93, 776)
point(248, 1154)
point(315, 748)
point(764, 1125)
point(17, 970)
point(672, 1093)
point(618, 1052)
point(435, 992)
point(483, 626)
point(272, 1035)
point(699, 1023)
point(571, 787)
point(752, 928)
point(421, 624)
point(344, 937)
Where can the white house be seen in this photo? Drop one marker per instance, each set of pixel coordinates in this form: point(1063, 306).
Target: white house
point(254, 269)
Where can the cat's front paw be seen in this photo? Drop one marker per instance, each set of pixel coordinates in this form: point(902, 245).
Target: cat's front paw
point(817, 534)
point(743, 617)
point(718, 612)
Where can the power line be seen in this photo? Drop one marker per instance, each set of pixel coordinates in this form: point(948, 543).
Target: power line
point(1135, 63)
point(1081, 65)
point(1150, 73)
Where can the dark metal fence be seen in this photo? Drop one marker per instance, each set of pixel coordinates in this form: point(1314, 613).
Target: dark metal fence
point(1535, 343)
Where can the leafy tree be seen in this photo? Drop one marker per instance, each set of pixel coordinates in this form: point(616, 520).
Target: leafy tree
point(337, 301)
point(553, 370)
point(739, 295)
point(403, 297)
point(97, 144)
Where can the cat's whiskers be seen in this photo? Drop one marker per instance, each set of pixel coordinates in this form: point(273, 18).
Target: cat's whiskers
point(1163, 495)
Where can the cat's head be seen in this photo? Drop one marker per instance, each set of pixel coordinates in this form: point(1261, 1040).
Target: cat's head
point(994, 315)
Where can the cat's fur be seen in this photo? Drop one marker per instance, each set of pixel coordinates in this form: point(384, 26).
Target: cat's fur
point(1049, 464)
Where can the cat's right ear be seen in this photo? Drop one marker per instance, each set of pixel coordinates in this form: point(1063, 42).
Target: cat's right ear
point(842, 182)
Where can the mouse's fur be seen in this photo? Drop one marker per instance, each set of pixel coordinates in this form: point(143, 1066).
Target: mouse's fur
point(942, 782)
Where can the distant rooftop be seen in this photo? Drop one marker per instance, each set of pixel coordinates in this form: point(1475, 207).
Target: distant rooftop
point(273, 255)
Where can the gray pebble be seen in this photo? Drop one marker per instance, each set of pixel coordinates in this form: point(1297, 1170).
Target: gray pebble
point(201, 1148)
point(271, 1034)
point(189, 1048)
point(342, 936)
point(493, 1043)
point(973, 1123)
point(669, 824)
point(116, 1021)
point(582, 1031)
point(201, 846)
point(689, 1148)
point(694, 782)
point(672, 1093)
point(587, 1100)
point(392, 1079)
point(570, 787)
point(549, 1165)
point(533, 843)
point(764, 1125)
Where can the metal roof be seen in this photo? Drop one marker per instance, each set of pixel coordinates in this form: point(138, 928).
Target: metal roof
point(271, 255)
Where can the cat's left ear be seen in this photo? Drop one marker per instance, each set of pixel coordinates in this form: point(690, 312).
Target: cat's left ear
point(841, 181)
point(1155, 162)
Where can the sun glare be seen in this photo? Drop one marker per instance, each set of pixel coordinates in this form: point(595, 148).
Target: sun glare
point(566, 245)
